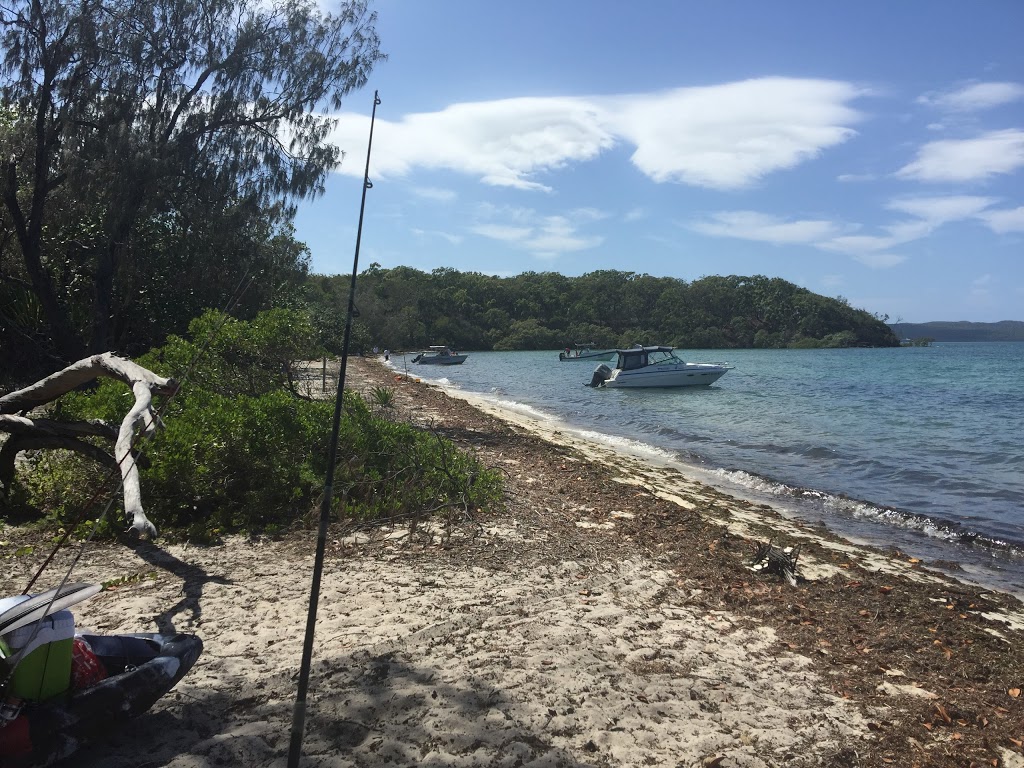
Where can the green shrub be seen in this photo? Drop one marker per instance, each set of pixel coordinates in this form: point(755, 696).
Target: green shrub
point(239, 452)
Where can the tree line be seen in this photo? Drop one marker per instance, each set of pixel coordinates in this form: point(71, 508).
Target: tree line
point(404, 308)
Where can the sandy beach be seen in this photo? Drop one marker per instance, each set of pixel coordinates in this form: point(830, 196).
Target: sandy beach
point(606, 617)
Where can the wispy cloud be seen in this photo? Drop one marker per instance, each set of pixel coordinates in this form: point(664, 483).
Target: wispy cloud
point(855, 177)
point(725, 136)
point(941, 209)
point(968, 159)
point(974, 97)
point(435, 193)
point(873, 250)
point(453, 239)
point(1008, 220)
point(543, 236)
point(751, 225)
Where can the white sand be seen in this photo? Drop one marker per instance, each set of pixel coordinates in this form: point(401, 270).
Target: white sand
point(420, 664)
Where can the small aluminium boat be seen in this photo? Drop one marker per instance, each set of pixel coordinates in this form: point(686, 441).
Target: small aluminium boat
point(61, 690)
point(586, 352)
point(438, 354)
point(655, 366)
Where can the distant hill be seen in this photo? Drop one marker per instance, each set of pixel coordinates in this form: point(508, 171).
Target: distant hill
point(942, 330)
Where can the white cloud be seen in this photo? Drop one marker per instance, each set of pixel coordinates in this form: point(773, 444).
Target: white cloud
point(858, 246)
point(730, 136)
point(505, 233)
point(872, 250)
point(1003, 221)
point(636, 214)
point(750, 225)
point(974, 97)
point(854, 177)
point(435, 193)
point(968, 159)
point(724, 136)
point(938, 210)
point(880, 260)
point(543, 236)
point(453, 239)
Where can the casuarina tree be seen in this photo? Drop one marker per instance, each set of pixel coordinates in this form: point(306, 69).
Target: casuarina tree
point(150, 146)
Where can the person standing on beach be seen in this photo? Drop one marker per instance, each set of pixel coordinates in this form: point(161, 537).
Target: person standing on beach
point(387, 355)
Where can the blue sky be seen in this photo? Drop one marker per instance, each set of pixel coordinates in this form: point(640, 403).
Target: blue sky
point(871, 150)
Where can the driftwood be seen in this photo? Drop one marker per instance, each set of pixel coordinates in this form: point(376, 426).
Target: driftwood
point(29, 433)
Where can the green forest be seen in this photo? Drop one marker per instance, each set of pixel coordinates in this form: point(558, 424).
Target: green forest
point(404, 308)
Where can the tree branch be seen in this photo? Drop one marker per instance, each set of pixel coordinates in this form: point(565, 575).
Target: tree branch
point(46, 433)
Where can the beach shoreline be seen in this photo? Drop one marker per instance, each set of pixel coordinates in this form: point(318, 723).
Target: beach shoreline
point(608, 616)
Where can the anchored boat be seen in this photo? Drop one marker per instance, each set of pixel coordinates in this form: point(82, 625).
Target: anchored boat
point(586, 352)
point(655, 366)
point(438, 354)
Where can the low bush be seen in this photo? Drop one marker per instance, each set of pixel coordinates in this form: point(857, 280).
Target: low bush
point(240, 452)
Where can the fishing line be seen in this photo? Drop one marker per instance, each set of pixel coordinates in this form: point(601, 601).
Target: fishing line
point(299, 712)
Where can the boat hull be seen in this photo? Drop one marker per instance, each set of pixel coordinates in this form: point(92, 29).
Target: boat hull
point(692, 376)
point(449, 360)
point(587, 357)
point(150, 665)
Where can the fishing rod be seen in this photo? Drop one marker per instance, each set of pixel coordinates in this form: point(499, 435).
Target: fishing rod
point(299, 712)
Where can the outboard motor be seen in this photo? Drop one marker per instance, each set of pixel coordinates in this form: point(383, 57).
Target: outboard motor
point(601, 374)
point(417, 358)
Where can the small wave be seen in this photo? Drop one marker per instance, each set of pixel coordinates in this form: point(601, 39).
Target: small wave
point(635, 447)
point(843, 507)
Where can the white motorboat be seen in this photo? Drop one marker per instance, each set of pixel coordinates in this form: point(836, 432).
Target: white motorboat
point(656, 367)
point(438, 354)
point(586, 352)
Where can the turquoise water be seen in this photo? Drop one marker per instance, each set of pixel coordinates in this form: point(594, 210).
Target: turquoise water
point(918, 448)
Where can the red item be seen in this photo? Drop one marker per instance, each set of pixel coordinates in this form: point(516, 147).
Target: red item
point(86, 668)
point(15, 742)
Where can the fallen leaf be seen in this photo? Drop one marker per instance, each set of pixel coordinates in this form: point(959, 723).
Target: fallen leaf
point(885, 590)
point(943, 714)
point(1014, 693)
point(1018, 742)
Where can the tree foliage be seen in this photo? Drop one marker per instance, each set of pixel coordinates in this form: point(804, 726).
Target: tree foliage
point(153, 151)
point(404, 308)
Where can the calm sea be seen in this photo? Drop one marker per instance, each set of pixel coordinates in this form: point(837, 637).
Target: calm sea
point(918, 448)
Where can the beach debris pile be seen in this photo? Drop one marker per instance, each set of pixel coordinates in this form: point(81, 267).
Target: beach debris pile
point(780, 561)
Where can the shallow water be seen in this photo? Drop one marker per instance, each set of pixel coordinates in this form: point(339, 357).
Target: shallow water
point(919, 448)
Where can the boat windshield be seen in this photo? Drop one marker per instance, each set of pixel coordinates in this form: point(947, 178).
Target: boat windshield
point(662, 357)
